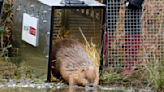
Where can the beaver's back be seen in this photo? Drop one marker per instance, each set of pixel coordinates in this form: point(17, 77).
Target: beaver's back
point(69, 53)
point(69, 48)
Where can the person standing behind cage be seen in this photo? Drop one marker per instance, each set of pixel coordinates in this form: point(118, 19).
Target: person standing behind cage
point(132, 28)
point(133, 31)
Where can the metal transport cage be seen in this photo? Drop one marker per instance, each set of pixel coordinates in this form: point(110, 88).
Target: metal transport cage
point(38, 22)
point(135, 33)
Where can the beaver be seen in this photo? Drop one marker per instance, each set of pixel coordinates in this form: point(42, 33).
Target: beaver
point(73, 64)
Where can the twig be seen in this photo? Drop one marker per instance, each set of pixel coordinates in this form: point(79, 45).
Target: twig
point(84, 37)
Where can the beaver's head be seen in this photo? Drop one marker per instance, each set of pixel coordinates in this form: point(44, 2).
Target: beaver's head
point(88, 76)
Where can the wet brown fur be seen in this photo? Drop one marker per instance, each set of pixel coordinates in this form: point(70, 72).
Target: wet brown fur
point(73, 63)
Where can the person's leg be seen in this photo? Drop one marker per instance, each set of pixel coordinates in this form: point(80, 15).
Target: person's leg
point(132, 36)
point(132, 42)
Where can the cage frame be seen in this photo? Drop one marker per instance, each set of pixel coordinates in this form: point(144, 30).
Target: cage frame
point(51, 31)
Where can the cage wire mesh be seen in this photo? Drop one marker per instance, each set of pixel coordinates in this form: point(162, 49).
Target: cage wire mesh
point(135, 37)
point(57, 23)
point(67, 21)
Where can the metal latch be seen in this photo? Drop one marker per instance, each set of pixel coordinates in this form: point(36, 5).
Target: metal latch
point(72, 2)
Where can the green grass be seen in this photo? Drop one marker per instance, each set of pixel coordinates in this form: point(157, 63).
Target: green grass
point(149, 76)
